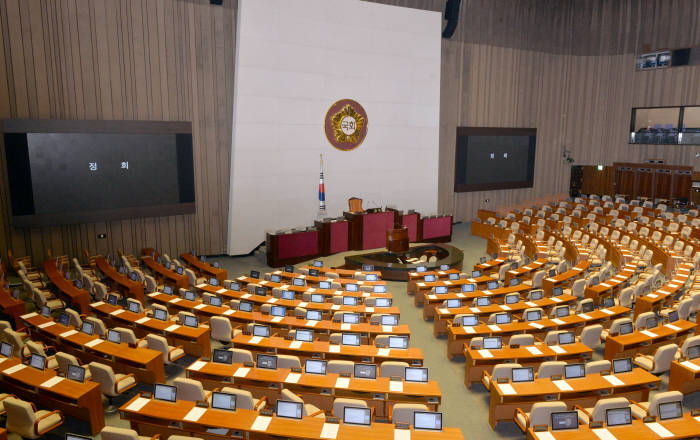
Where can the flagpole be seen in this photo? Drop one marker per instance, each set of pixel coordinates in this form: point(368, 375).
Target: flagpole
point(321, 194)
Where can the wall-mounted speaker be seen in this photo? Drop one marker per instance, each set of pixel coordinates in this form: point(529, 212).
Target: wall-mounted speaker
point(452, 17)
point(216, 2)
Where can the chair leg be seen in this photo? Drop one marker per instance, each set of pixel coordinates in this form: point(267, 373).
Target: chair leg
point(110, 408)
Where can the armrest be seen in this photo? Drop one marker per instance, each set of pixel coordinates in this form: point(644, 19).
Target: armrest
point(316, 413)
point(583, 410)
point(261, 403)
point(38, 419)
point(126, 376)
point(173, 349)
point(527, 419)
point(155, 437)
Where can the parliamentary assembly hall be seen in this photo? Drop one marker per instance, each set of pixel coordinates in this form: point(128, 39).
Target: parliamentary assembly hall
point(349, 219)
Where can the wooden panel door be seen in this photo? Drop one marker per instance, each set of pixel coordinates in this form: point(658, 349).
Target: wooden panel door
point(682, 181)
point(663, 180)
point(645, 183)
point(624, 181)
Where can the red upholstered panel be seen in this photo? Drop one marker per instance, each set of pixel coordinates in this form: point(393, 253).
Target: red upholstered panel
point(297, 245)
point(374, 229)
point(436, 227)
point(339, 237)
point(411, 223)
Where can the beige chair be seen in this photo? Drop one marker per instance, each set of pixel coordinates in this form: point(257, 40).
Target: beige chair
point(111, 384)
point(15, 339)
point(590, 335)
point(24, 419)
point(690, 341)
point(66, 359)
point(38, 348)
point(241, 356)
point(596, 367)
point(641, 321)
point(245, 399)
point(577, 289)
point(99, 327)
point(660, 362)
point(288, 361)
point(551, 368)
point(540, 415)
point(114, 433)
point(100, 290)
point(500, 371)
point(651, 408)
point(150, 284)
point(339, 405)
point(552, 337)
point(308, 410)
point(597, 413)
point(138, 305)
point(403, 412)
point(74, 318)
point(192, 278)
point(340, 367)
point(626, 297)
point(393, 369)
point(155, 307)
point(614, 328)
point(533, 309)
point(170, 353)
point(127, 335)
point(4, 396)
point(221, 329)
point(476, 343)
point(522, 340)
point(581, 303)
point(191, 390)
point(536, 281)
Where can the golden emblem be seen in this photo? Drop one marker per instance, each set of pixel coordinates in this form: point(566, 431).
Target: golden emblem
point(346, 124)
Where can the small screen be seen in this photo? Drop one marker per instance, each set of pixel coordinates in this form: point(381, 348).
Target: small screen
point(168, 290)
point(429, 278)
point(213, 281)
point(314, 272)
point(564, 420)
point(78, 284)
point(536, 295)
point(427, 420)
point(278, 311)
point(626, 328)
point(453, 276)
point(288, 295)
point(255, 274)
point(670, 410)
point(261, 330)
point(390, 320)
point(476, 273)
point(514, 282)
point(608, 302)
point(203, 258)
point(298, 282)
point(454, 303)
point(191, 321)
point(672, 316)
point(167, 265)
point(112, 299)
point(290, 410)
point(512, 299)
point(400, 342)
point(552, 272)
point(324, 284)
point(421, 269)
point(225, 401)
point(38, 361)
point(189, 295)
point(693, 352)
point(503, 318)
point(63, 319)
point(6, 349)
point(492, 285)
point(522, 374)
point(534, 315)
point(367, 267)
point(314, 315)
point(76, 437)
point(289, 269)
point(365, 371)
point(315, 367)
point(357, 416)
point(416, 374)
point(382, 302)
point(160, 314)
point(470, 320)
point(318, 263)
point(558, 291)
point(180, 270)
point(587, 307)
point(164, 392)
point(622, 365)
point(221, 356)
point(245, 306)
point(235, 286)
point(266, 361)
point(483, 301)
point(304, 335)
point(114, 336)
point(215, 301)
point(440, 289)
point(132, 275)
point(349, 301)
point(468, 287)
point(514, 265)
point(316, 298)
point(87, 328)
point(350, 339)
point(351, 287)
point(652, 322)
point(371, 277)
point(618, 416)
point(351, 318)
point(133, 306)
point(275, 278)
point(444, 267)
point(76, 373)
point(260, 291)
point(562, 312)
point(573, 371)
point(492, 343)
point(45, 311)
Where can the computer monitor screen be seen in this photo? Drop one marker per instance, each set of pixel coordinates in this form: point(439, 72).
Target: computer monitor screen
point(78, 284)
point(225, 401)
point(514, 282)
point(618, 416)
point(316, 298)
point(314, 272)
point(534, 315)
point(492, 285)
point(382, 302)
point(278, 311)
point(234, 286)
point(168, 265)
point(324, 285)
point(350, 339)
point(427, 420)
point(164, 392)
point(468, 288)
point(180, 270)
point(255, 274)
point(160, 314)
point(672, 316)
point(379, 288)
point(558, 291)
point(421, 269)
point(318, 263)
point(564, 420)
point(476, 273)
point(133, 306)
point(77, 437)
point(693, 352)
point(390, 320)
point(245, 306)
point(315, 366)
point(552, 272)
point(114, 336)
point(64, 319)
point(37, 361)
point(626, 328)
point(670, 410)
point(76, 373)
point(453, 276)
point(349, 301)
point(566, 338)
point(221, 356)
point(288, 295)
point(266, 361)
point(260, 291)
point(562, 312)
point(440, 290)
point(573, 371)
point(503, 318)
point(367, 267)
point(652, 322)
point(351, 318)
point(483, 301)
point(492, 343)
point(15, 293)
point(522, 374)
point(512, 299)
point(536, 295)
point(314, 315)
point(352, 287)
point(290, 410)
point(514, 265)
point(416, 374)
point(87, 328)
point(191, 321)
point(357, 416)
point(112, 299)
point(168, 290)
point(430, 278)
point(275, 278)
point(444, 267)
point(304, 335)
point(454, 303)
point(622, 365)
point(289, 269)
point(298, 282)
point(470, 320)
point(261, 330)
point(399, 342)
point(45, 311)
point(6, 349)
point(587, 307)
point(215, 301)
point(365, 371)
point(371, 277)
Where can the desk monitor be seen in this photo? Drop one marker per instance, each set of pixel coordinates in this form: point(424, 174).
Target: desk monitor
point(6, 349)
point(492, 343)
point(503, 318)
point(78, 284)
point(454, 303)
point(482, 260)
point(45, 311)
point(421, 269)
point(266, 361)
point(622, 365)
point(444, 267)
point(298, 282)
point(314, 273)
point(278, 311)
point(213, 281)
point(476, 273)
point(512, 298)
point(536, 295)
point(245, 306)
point(114, 336)
point(179, 270)
point(351, 287)
point(275, 278)
point(164, 392)
point(470, 320)
point(427, 420)
point(189, 295)
point(318, 263)
point(608, 302)
point(440, 290)
point(350, 339)
point(672, 316)
point(226, 401)
point(572, 371)
point(557, 291)
point(492, 285)
point(349, 300)
point(304, 335)
point(430, 278)
point(317, 298)
point(289, 410)
point(468, 288)
point(626, 328)
point(693, 352)
point(382, 302)
point(351, 318)
point(651, 322)
point(416, 374)
point(522, 374)
point(288, 295)
point(235, 286)
point(618, 416)
point(324, 285)
point(112, 299)
point(88, 328)
point(261, 330)
point(587, 307)
point(391, 320)
point(379, 288)
point(255, 274)
point(160, 314)
point(357, 416)
point(514, 265)
point(202, 258)
point(564, 420)
point(121, 270)
point(76, 373)
point(314, 315)
point(64, 319)
point(191, 321)
point(215, 301)
point(167, 265)
point(453, 277)
point(483, 301)
point(37, 361)
point(371, 277)
point(398, 342)
point(133, 306)
point(534, 315)
point(365, 371)
point(260, 291)
point(562, 312)
point(514, 282)
point(313, 366)
point(15, 294)
point(367, 267)
point(289, 268)
point(670, 410)
point(77, 437)
point(552, 273)
point(222, 356)
point(168, 290)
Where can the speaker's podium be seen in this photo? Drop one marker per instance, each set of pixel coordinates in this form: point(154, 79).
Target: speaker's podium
point(368, 228)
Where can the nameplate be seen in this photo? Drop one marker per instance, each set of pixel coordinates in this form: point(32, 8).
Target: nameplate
point(255, 340)
point(303, 304)
point(536, 325)
point(311, 323)
point(51, 382)
point(246, 295)
point(241, 372)
point(222, 290)
point(229, 312)
point(562, 385)
point(117, 312)
point(659, 429)
point(504, 307)
point(556, 300)
point(334, 349)
point(142, 320)
point(485, 353)
point(197, 365)
point(487, 292)
point(335, 307)
point(342, 382)
point(607, 312)
point(474, 309)
point(29, 315)
point(46, 324)
point(365, 294)
point(469, 330)
point(395, 386)
point(199, 306)
point(15, 369)
point(387, 328)
point(584, 316)
point(691, 365)
point(648, 333)
point(137, 404)
point(673, 327)
point(384, 352)
point(557, 349)
point(292, 378)
point(494, 328)
point(175, 300)
point(201, 286)
point(94, 342)
point(613, 380)
point(652, 295)
point(97, 304)
point(277, 319)
point(533, 350)
point(261, 423)
point(194, 414)
point(507, 389)
point(544, 435)
point(443, 311)
point(603, 434)
point(367, 309)
point(295, 344)
point(558, 321)
point(330, 430)
point(530, 304)
point(153, 294)
point(459, 295)
point(68, 333)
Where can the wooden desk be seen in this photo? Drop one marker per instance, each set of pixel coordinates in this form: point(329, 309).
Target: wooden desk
point(292, 247)
point(133, 289)
point(479, 361)
point(173, 278)
point(416, 277)
point(684, 376)
point(66, 289)
point(686, 427)
point(202, 267)
point(655, 300)
point(12, 307)
point(324, 350)
point(194, 341)
point(423, 288)
point(320, 390)
point(526, 271)
point(145, 363)
point(167, 418)
point(80, 400)
point(584, 391)
point(607, 288)
point(368, 229)
point(646, 342)
point(342, 273)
